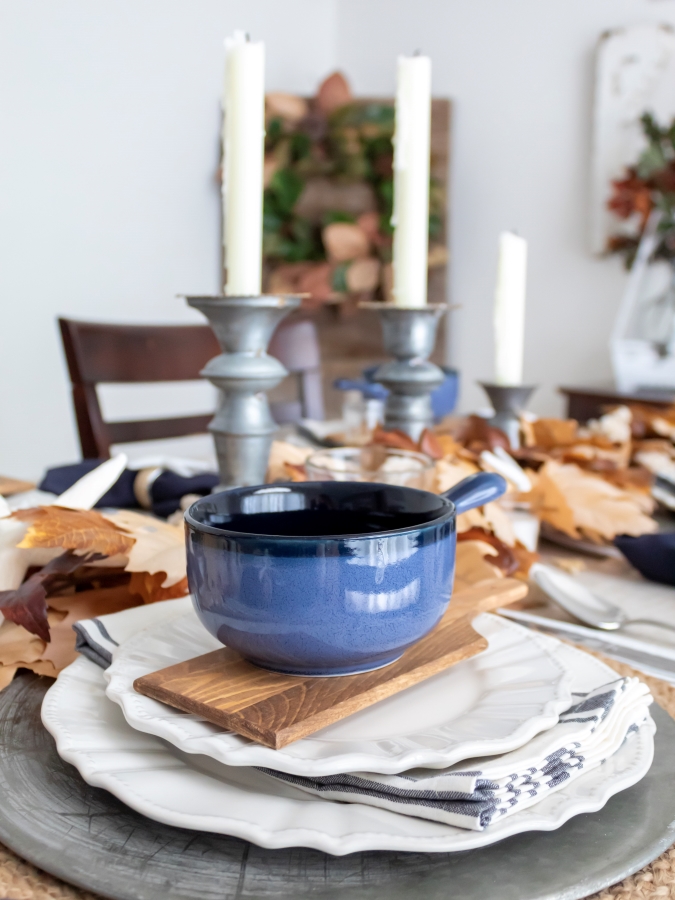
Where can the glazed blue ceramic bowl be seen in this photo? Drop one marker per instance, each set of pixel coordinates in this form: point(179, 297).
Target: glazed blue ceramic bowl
point(326, 578)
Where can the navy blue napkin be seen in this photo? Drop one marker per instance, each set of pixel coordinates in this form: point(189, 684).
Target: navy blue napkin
point(165, 491)
point(653, 555)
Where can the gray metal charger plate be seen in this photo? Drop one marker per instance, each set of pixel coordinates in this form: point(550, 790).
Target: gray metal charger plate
point(84, 835)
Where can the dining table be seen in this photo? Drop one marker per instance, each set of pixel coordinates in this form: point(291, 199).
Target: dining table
point(95, 818)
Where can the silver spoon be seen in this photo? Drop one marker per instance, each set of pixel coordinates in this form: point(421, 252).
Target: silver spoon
point(582, 603)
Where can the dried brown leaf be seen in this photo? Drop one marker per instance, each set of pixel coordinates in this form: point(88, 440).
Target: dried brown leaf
point(448, 474)
point(81, 530)
point(549, 433)
point(473, 564)
point(477, 434)
point(504, 557)
point(27, 605)
point(573, 500)
point(149, 587)
point(158, 546)
point(281, 453)
point(430, 444)
point(548, 502)
point(449, 446)
point(65, 611)
point(397, 440)
point(294, 472)
point(526, 558)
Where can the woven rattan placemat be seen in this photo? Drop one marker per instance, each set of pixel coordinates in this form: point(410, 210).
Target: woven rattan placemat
point(21, 881)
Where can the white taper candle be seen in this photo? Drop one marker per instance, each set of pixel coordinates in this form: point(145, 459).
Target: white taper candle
point(244, 150)
point(412, 141)
point(509, 311)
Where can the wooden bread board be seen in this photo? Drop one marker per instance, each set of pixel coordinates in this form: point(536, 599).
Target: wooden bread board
point(275, 709)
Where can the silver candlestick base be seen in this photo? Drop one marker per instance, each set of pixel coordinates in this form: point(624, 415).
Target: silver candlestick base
point(508, 402)
point(409, 335)
point(243, 426)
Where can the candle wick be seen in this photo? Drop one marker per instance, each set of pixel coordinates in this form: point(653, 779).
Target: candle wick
point(247, 37)
point(417, 53)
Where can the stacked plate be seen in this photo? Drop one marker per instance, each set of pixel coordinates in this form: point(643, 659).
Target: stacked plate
point(183, 771)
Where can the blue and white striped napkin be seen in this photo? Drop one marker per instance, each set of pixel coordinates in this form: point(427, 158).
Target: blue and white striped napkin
point(474, 793)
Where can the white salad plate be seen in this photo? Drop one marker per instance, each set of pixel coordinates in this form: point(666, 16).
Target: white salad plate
point(196, 792)
point(492, 703)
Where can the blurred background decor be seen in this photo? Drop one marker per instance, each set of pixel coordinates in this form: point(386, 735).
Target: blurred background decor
point(327, 230)
point(643, 204)
point(635, 68)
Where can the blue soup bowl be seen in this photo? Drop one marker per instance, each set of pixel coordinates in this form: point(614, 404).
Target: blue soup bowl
point(326, 578)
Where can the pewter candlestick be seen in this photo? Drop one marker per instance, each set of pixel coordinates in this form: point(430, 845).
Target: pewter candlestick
point(243, 426)
point(409, 334)
point(508, 402)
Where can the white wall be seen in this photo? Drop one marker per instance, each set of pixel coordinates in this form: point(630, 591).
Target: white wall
point(521, 74)
point(109, 114)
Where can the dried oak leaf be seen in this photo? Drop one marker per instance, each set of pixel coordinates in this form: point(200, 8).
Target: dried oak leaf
point(477, 433)
point(526, 559)
point(158, 546)
point(81, 530)
point(577, 502)
point(449, 446)
point(474, 563)
point(549, 433)
point(504, 558)
point(27, 605)
point(149, 587)
point(294, 473)
point(430, 444)
point(548, 502)
point(651, 421)
point(397, 440)
point(281, 453)
point(65, 611)
point(448, 473)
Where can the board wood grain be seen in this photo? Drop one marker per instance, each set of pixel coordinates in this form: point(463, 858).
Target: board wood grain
point(275, 709)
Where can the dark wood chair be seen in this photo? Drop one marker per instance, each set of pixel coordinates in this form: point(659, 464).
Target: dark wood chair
point(295, 344)
point(99, 353)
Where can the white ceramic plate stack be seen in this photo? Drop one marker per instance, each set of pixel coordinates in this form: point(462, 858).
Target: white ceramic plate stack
point(181, 770)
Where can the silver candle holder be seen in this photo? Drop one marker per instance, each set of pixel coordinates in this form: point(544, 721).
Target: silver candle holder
point(508, 402)
point(409, 335)
point(243, 426)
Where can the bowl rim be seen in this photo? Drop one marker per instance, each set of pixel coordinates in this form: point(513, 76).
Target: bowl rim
point(191, 522)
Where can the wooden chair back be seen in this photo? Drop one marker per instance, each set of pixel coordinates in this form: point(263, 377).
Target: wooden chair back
point(295, 344)
point(99, 353)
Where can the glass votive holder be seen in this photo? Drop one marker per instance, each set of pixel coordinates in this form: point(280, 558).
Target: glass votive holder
point(374, 463)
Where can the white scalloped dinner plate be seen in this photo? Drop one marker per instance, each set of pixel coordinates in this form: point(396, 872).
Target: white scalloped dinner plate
point(195, 792)
point(492, 703)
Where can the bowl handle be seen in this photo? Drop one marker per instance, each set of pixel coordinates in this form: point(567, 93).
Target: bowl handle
point(483, 487)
